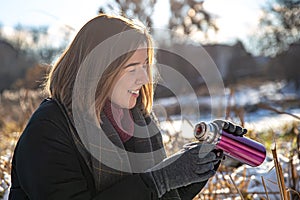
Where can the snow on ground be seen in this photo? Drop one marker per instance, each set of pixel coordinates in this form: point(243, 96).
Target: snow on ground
point(244, 96)
point(267, 171)
point(259, 120)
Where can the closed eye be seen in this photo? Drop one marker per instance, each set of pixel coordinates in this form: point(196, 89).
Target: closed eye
point(131, 67)
point(136, 63)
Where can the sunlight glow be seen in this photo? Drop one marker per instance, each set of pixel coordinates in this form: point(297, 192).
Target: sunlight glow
point(236, 18)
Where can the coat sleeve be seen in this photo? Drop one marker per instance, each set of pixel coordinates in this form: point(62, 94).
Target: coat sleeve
point(132, 187)
point(47, 167)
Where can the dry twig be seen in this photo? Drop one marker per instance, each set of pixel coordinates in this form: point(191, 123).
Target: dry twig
point(280, 179)
point(266, 191)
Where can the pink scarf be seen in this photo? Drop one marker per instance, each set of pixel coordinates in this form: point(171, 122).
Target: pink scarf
point(121, 120)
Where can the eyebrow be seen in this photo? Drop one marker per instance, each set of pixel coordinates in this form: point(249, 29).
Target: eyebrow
point(136, 63)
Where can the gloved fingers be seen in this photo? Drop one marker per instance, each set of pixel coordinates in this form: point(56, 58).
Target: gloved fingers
point(202, 149)
point(236, 129)
point(240, 131)
point(206, 157)
point(210, 157)
point(243, 132)
point(231, 127)
point(215, 154)
point(206, 175)
point(219, 153)
point(216, 162)
point(199, 149)
point(216, 165)
point(221, 123)
point(203, 167)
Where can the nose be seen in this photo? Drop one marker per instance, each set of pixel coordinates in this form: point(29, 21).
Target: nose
point(142, 77)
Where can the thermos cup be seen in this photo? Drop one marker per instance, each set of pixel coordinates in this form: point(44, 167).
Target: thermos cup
point(239, 148)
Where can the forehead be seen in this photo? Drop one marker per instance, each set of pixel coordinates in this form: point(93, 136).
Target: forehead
point(140, 55)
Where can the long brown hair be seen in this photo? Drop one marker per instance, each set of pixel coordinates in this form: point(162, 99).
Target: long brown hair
point(62, 77)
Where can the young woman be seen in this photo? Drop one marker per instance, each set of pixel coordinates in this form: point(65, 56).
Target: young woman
point(94, 137)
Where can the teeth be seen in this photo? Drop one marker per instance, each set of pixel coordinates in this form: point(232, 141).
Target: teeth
point(134, 91)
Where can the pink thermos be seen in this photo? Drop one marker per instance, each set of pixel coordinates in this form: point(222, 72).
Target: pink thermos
point(239, 148)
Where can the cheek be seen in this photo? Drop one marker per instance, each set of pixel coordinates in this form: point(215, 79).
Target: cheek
point(121, 87)
point(125, 82)
point(121, 96)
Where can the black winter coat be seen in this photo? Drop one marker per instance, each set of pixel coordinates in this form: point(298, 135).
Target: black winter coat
point(47, 165)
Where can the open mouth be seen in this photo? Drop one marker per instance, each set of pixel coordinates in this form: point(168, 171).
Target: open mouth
point(135, 92)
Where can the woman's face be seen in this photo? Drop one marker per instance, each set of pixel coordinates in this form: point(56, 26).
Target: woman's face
point(131, 79)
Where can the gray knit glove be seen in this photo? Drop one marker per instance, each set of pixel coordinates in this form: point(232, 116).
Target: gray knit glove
point(230, 127)
point(194, 163)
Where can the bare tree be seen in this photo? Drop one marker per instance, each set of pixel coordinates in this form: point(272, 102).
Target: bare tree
point(22, 50)
point(140, 9)
point(189, 18)
point(279, 27)
point(186, 16)
point(36, 42)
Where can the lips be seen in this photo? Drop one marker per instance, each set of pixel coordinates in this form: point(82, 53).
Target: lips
point(135, 92)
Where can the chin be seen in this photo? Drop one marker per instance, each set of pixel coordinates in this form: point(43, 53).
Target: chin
point(131, 105)
point(128, 106)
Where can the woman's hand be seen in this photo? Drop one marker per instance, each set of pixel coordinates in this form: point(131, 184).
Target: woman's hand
point(230, 127)
point(194, 163)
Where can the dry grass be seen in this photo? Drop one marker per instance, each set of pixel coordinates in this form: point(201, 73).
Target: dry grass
point(229, 185)
point(16, 107)
point(15, 110)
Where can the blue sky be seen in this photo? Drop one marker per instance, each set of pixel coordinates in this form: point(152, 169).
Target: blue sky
point(236, 17)
point(47, 12)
